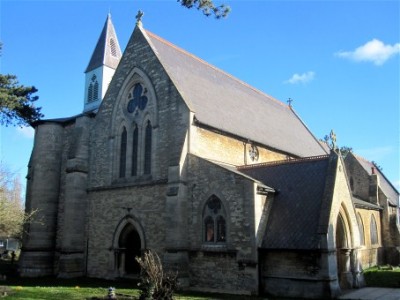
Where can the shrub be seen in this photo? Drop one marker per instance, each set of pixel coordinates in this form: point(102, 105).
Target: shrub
point(154, 283)
point(383, 276)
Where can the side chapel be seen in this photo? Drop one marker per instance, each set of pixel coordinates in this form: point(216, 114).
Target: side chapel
point(164, 157)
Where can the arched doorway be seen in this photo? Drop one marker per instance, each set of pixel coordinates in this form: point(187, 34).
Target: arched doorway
point(129, 243)
point(343, 252)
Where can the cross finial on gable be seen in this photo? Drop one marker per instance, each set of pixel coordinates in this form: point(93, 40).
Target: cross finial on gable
point(331, 140)
point(139, 18)
point(289, 101)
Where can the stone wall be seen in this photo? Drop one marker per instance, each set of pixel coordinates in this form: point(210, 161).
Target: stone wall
point(167, 111)
point(235, 260)
point(145, 205)
point(304, 274)
point(43, 186)
point(228, 149)
point(370, 255)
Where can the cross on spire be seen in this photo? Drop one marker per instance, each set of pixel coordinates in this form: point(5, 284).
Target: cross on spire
point(289, 101)
point(139, 18)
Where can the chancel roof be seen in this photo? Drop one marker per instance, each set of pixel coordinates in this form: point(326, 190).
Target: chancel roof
point(107, 51)
point(225, 103)
point(391, 193)
point(296, 208)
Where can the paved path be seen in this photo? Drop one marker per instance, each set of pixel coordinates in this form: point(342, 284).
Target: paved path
point(372, 293)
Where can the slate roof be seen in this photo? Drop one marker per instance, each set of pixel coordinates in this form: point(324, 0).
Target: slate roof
point(102, 54)
point(389, 190)
point(223, 102)
point(294, 217)
point(364, 204)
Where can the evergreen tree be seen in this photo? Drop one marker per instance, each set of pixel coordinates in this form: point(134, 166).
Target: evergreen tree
point(207, 7)
point(17, 101)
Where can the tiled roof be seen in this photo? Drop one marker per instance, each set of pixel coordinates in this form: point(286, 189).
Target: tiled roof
point(223, 102)
point(364, 204)
point(384, 183)
point(294, 217)
point(103, 54)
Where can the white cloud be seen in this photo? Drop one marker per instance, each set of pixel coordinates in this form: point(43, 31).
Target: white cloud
point(373, 51)
point(301, 78)
point(26, 132)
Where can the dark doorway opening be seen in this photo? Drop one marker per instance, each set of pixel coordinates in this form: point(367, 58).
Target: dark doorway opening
point(130, 244)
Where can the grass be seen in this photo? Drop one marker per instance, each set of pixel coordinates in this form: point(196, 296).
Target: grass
point(87, 288)
point(51, 288)
point(384, 276)
point(29, 292)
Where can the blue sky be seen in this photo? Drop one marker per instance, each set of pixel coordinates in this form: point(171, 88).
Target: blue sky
point(338, 60)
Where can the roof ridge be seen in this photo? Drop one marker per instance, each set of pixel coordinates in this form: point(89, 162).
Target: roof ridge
point(362, 158)
point(306, 127)
point(214, 67)
point(283, 162)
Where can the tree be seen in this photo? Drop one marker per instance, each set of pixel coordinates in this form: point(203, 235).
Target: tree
point(17, 101)
point(345, 150)
point(12, 214)
point(207, 7)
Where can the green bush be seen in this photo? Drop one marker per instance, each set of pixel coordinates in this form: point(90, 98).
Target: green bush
point(383, 276)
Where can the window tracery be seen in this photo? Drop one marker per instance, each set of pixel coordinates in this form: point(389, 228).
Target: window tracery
point(93, 89)
point(134, 152)
point(214, 221)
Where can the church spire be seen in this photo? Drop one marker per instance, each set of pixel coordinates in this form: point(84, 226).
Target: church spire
point(102, 65)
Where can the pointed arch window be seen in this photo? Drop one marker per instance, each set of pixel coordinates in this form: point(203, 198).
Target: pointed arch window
point(93, 89)
point(361, 229)
point(147, 148)
point(122, 157)
point(374, 231)
point(90, 92)
point(214, 221)
point(135, 139)
point(96, 91)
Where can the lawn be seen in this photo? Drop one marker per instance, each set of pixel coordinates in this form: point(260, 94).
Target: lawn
point(80, 288)
point(86, 288)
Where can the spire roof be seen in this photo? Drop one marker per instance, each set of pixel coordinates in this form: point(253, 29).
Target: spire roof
point(107, 51)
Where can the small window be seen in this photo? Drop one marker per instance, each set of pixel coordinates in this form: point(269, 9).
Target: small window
point(90, 93)
point(147, 149)
point(374, 231)
point(96, 91)
point(122, 157)
point(214, 221)
point(209, 225)
point(361, 229)
point(93, 89)
point(135, 151)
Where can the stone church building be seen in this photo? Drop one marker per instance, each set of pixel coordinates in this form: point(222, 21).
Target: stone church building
point(224, 182)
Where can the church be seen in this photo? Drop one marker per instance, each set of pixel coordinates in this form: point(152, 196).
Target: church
point(225, 183)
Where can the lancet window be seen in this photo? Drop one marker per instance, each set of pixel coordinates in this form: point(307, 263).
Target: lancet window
point(361, 229)
point(135, 144)
point(122, 157)
point(214, 221)
point(373, 231)
point(93, 89)
point(134, 149)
